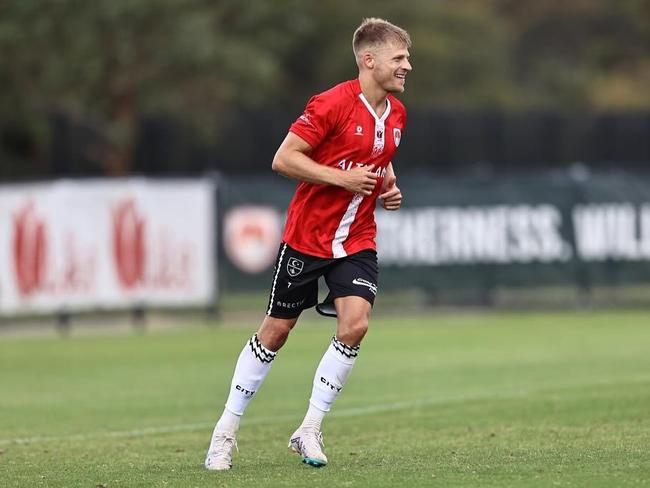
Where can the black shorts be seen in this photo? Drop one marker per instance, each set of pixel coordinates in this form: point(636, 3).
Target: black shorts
point(295, 281)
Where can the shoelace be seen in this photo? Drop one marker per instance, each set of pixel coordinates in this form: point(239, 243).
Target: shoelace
point(222, 442)
point(319, 438)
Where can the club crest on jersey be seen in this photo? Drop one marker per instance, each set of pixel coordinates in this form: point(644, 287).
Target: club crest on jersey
point(294, 266)
point(397, 135)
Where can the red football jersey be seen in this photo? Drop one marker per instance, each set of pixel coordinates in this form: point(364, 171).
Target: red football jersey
point(343, 131)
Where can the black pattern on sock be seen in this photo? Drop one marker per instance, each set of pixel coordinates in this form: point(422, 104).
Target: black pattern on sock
point(261, 353)
point(344, 349)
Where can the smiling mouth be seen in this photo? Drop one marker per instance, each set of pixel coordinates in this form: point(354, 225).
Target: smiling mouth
point(401, 76)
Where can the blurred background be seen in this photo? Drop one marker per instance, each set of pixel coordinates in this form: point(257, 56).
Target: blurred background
point(524, 163)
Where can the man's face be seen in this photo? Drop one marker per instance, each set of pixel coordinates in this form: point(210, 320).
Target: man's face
point(391, 67)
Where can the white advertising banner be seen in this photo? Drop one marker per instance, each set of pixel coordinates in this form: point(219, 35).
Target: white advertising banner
point(99, 244)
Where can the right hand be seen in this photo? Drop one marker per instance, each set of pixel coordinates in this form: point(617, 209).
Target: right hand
point(361, 179)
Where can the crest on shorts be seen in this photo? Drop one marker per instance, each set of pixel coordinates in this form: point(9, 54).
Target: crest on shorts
point(294, 266)
point(397, 135)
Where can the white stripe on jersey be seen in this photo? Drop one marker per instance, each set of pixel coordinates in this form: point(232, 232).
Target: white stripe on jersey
point(350, 214)
point(343, 229)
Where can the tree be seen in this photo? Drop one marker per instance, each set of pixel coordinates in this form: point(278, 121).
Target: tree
point(110, 61)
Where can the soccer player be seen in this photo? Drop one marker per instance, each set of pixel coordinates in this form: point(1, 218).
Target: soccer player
point(340, 150)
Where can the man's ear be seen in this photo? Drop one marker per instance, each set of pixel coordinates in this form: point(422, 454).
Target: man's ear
point(368, 60)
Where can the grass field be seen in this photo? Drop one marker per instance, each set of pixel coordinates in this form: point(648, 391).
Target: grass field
point(558, 399)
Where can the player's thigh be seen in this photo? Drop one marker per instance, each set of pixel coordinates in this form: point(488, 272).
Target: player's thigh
point(295, 284)
point(356, 275)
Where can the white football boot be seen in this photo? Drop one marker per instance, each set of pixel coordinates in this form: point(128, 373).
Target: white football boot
point(308, 443)
point(219, 455)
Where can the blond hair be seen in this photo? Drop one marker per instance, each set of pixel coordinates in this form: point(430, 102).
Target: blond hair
point(373, 32)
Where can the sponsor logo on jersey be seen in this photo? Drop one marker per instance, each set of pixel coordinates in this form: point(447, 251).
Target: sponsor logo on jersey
point(306, 119)
point(294, 266)
point(397, 135)
point(371, 286)
point(358, 131)
point(347, 165)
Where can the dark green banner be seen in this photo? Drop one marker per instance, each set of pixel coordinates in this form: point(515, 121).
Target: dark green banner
point(564, 228)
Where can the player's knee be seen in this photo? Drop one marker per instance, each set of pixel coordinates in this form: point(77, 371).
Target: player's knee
point(273, 339)
point(360, 328)
point(274, 332)
point(353, 331)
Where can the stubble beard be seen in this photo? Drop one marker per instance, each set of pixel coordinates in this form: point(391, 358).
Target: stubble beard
point(393, 84)
point(396, 86)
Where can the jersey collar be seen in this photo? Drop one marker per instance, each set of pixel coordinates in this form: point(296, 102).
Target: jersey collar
point(384, 116)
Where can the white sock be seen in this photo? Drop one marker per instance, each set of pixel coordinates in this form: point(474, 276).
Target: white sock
point(228, 421)
point(252, 367)
point(331, 375)
point(313, 418)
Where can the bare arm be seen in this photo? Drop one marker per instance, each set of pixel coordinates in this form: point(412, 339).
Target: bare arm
point(292, 160)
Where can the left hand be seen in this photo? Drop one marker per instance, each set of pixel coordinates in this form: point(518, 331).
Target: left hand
point(391, 198)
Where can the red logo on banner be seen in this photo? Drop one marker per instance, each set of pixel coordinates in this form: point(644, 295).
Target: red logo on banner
point(252, 236)
point(128, 244)
point(30, 243)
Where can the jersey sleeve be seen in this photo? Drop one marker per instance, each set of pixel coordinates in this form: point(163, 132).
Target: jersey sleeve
point(316, 121)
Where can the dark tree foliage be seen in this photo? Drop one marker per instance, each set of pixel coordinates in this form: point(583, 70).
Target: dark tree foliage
point(109, 63)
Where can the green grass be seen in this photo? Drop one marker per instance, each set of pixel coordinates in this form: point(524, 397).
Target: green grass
point(559, 399)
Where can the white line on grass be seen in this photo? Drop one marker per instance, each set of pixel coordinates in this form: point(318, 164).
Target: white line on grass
point(196, 426)
point(341, 412)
